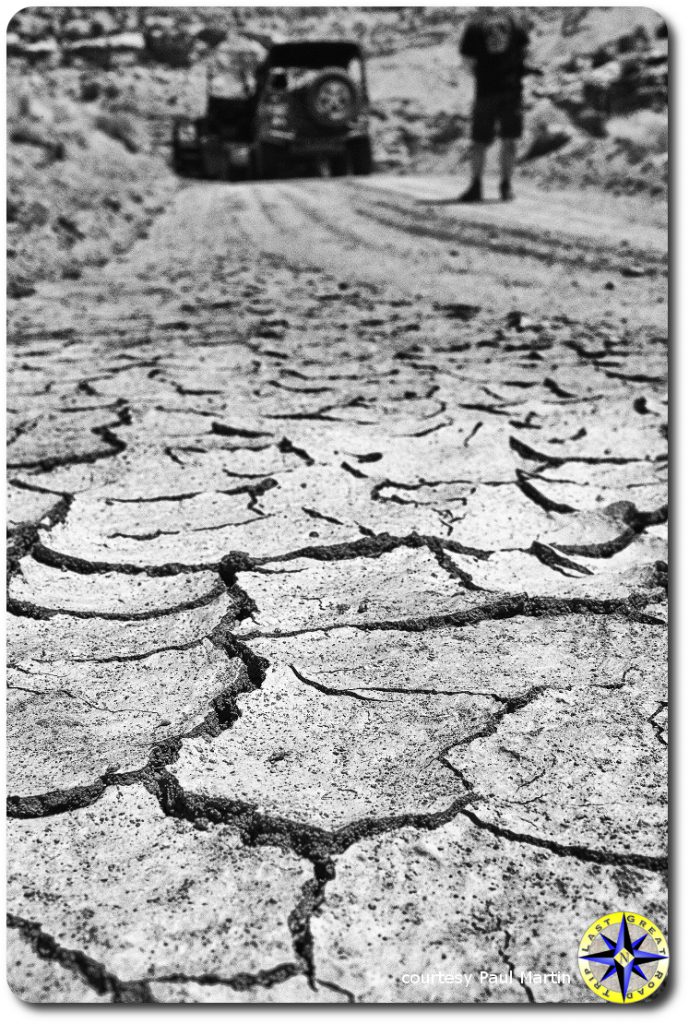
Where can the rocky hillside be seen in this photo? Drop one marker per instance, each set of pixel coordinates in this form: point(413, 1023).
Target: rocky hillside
point(92, 93)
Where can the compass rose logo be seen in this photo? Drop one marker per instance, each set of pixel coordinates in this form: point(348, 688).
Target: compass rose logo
point(623, 957)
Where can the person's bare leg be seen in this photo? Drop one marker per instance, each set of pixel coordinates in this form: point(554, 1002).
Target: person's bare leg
point(508, 158)
point(477, 160)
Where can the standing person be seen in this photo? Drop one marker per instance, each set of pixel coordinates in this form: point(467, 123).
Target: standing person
point(494, 45)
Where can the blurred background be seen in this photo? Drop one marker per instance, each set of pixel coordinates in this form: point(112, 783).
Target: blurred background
point(92, 93)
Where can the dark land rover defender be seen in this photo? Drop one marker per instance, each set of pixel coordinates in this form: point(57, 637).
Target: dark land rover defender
point(308, 113)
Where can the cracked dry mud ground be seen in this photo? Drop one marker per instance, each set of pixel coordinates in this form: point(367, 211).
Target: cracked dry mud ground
point(337, 599)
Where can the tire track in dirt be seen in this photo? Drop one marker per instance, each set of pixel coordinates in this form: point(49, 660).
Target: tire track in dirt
point(399, 241)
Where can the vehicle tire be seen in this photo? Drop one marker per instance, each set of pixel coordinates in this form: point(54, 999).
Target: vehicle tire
point(178, 164)
point(360, 156)
point(186, 163)
point(339, 165)
point(269, 161)
point(213, 159)
point(332, 100)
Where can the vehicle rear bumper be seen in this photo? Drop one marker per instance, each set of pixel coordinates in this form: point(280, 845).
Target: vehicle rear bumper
point(327, 145)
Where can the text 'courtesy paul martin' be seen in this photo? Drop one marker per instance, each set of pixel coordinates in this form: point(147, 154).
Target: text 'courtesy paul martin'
point(488, 978)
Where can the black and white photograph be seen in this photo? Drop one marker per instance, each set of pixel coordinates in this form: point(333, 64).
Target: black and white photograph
point(337, 505)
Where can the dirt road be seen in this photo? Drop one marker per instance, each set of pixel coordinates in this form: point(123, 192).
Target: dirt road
point(337, 631)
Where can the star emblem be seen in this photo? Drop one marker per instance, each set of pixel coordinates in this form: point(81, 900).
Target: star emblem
point(624, 957)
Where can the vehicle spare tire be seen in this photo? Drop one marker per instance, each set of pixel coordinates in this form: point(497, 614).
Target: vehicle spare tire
point(332, 99)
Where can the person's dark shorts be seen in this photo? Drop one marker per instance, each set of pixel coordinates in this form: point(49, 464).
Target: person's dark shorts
point(499, 113)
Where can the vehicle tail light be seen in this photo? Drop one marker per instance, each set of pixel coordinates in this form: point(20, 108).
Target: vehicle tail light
point(186, 131)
